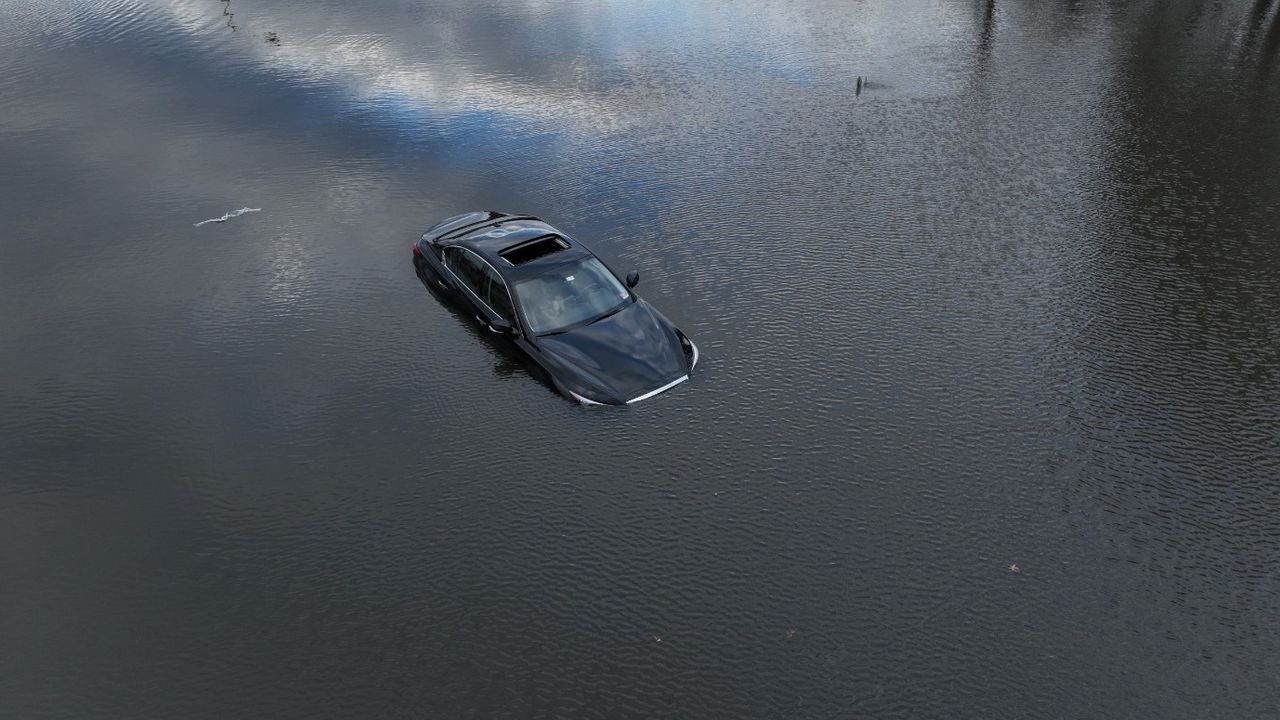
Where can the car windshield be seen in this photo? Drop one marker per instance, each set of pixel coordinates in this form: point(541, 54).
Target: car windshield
point(569, 295)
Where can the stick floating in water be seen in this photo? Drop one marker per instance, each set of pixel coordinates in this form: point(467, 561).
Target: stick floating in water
point(228, 216)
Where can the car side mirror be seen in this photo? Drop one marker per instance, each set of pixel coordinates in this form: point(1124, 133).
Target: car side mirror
point(633, 279)
point(502, 325)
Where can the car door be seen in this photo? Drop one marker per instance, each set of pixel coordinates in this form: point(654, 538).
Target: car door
point(468, 278)
point(483, 291)
point(496, 296)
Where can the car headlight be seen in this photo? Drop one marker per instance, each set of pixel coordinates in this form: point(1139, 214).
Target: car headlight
point(690, 350)
point(583, 400)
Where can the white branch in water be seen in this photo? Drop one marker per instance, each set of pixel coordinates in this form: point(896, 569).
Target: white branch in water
point(228, 216)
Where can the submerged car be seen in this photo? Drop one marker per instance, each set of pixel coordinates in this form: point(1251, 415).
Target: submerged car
point(551, 300)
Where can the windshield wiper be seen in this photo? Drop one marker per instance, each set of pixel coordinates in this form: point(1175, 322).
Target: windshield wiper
point(577, 325)
point(614, 311)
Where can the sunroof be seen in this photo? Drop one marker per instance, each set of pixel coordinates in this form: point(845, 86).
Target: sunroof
point(533, 249)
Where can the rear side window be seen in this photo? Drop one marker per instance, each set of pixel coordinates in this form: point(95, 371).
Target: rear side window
point(468, 268)
point(481, 279)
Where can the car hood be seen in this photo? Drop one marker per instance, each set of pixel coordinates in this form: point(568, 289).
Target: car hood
point(631, 352)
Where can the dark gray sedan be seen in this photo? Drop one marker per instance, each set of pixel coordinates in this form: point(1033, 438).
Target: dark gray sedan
point(548, 298)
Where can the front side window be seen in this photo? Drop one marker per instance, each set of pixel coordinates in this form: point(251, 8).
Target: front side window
point(569, 295)
point(495, 294)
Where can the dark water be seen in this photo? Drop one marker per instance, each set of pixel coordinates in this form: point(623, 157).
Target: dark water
point(1017, 303)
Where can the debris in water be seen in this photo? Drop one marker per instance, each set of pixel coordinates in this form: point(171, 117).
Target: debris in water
point(791, 633)
point(228, 216)
point(272, 38)
point(1014, 568)
point(230, 15)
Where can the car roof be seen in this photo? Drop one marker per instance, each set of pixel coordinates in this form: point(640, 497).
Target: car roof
point(490, 239)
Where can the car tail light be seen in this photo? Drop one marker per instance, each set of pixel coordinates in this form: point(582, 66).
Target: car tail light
point(416, 251)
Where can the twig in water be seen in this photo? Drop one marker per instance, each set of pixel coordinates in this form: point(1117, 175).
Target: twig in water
point(228, 216)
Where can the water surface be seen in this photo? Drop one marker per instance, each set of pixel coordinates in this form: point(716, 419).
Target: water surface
point(1014, 304)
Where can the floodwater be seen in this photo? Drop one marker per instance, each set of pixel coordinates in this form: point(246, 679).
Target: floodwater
point(987, 423)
